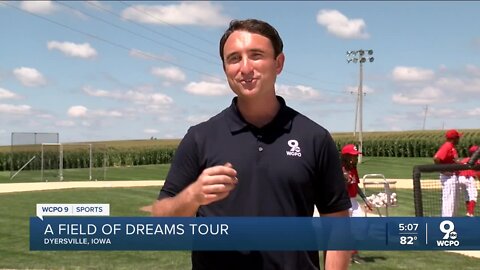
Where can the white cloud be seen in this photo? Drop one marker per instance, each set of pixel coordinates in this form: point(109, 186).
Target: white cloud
point(29, 76)
point(71, 49)
point(104, 113)
point(137, 97)
point(473, 70)
point(412, 74)
point(427, 95)
point(77, 111)
point(467, 85)
point(474, 112)
point(98, 92)
point(150, 131)
point(185, 13)
point(207, 88)
point(341, 26)
point(14, 109)
point(170, 73)
point(39, 7)
point(297, 92)
point(148, 98)
point(81, 111)
point(5, 94)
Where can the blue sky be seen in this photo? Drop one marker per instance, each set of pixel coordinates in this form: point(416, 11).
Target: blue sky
point(134, 70)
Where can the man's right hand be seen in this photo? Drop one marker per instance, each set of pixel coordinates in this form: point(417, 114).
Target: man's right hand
point(213, 184)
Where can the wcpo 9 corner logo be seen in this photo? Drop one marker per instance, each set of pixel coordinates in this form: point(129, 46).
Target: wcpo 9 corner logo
point(450, 236)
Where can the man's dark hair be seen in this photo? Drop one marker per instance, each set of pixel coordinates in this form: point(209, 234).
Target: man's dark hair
point(257, 27)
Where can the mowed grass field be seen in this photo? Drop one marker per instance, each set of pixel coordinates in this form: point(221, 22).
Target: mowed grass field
point(391, 167)
point(16, 208)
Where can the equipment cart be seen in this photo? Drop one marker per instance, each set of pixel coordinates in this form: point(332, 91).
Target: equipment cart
point(380, 193)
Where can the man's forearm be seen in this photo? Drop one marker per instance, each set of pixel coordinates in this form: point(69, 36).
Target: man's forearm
point(178, 206)
point(337, 259)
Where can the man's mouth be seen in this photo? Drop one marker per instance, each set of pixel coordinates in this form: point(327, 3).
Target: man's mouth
point(247, 80)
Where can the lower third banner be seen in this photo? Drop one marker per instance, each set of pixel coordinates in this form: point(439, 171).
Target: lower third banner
point(254, 233)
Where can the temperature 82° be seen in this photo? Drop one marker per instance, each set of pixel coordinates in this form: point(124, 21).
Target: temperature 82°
point(408, 240)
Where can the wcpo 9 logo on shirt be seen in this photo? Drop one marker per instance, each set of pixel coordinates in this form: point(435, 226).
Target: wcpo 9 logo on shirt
point(450, 236)
point(294, 149)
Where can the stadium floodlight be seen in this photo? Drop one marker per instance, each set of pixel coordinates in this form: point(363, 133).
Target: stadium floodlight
point(359, 103)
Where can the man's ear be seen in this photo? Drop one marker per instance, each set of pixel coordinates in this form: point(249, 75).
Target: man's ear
point(279, 62)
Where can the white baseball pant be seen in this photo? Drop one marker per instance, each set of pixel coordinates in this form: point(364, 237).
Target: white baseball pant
point(449, 194)
point(356, 210)
point(468, 183)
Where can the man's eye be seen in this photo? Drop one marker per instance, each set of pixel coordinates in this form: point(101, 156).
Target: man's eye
point(233, 59)
point(257, 56)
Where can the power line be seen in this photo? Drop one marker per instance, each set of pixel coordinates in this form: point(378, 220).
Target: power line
point(142, 36)
point(182, 30)
point(129, 49)
point(169, 24)
point(108, 42)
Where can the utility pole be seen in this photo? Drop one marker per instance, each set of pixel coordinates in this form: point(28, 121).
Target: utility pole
point(425, 117)
point(362, 58)
point(355, 124)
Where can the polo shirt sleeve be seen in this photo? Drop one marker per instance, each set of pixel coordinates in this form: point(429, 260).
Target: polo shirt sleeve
point(185, 167)
point(331, 191)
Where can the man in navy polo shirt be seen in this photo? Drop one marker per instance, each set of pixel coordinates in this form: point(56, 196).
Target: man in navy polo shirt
point(257, 157)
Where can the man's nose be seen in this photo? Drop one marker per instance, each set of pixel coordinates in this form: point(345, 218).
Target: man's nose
point(246, 66)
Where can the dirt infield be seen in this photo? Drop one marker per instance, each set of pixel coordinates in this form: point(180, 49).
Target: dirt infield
point(21, 187)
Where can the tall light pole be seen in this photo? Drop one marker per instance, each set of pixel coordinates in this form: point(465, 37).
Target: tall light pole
point(425, 117)
point(360, 56)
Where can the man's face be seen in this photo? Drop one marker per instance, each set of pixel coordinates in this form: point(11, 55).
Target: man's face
point(352, 160)
point(250, 65)
point(454, 141)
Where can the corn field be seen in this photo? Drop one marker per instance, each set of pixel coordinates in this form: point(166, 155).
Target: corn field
point(147, 152)
point(407, 143)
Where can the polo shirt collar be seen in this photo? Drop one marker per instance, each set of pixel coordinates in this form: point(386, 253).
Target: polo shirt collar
point(237, 123)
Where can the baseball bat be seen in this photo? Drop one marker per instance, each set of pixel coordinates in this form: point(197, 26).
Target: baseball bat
point(474, 157)
point(364, 198)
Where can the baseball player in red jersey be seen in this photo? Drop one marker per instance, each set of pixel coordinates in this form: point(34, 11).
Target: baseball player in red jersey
point(447, 154)
point(349, 158)
point(466, 179)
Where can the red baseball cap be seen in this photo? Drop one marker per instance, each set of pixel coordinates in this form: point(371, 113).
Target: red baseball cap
point(472, 149)
point(452, 134)
point(350, 149)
